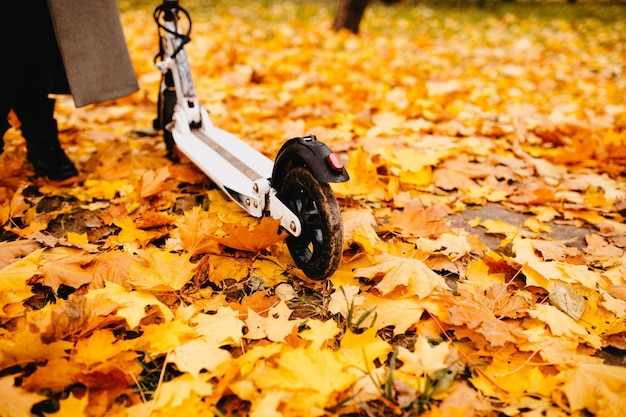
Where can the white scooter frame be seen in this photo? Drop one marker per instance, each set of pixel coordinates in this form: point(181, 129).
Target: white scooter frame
point(293, 190)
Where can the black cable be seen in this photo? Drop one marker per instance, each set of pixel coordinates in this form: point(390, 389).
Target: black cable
point(169, 11)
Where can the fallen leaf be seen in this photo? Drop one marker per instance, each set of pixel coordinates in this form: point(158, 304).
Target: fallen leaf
point(410, 277)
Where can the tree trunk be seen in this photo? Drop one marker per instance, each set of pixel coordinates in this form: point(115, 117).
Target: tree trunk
point(349, 14)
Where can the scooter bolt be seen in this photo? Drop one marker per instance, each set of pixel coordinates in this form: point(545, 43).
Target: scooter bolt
point(292, 226)
point(255, 188)
point(256, 204)
point(247, 201)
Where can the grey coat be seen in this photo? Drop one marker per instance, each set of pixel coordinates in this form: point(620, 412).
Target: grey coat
point(93, 49)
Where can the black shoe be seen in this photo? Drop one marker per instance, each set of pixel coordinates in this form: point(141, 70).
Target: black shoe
point(52, 163)
point(43, 148)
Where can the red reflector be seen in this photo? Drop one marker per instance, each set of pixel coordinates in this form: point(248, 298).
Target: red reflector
point(335, 161)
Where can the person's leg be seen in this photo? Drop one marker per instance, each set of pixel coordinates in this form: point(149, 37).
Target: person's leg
point(43, 149)
point(30, 101)
point(4, 123)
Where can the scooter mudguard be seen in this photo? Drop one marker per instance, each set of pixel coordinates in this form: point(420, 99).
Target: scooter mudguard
point(309, 153)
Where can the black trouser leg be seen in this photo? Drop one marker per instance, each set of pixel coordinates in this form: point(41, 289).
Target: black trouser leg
point(39, 128)
point(4, 122)
point(26, 87)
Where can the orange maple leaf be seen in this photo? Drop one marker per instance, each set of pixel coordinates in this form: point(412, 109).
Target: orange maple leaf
point(466, 310)
point(260, 236)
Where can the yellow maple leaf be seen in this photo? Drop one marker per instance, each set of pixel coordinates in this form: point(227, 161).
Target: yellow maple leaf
point(364, 181)
point(425, 358)
point(103, 189)
point(270, 268)
point(365, 236)
point(14, 277)
point(130, 233)
point(175, 392)
point(410, 277)
point(343, 298)
point(227, 267)
point(131, 304)
point(276, 326)
point(269, 405)
point(223, 327)
point(197, 355)
point(359, 227)
point(321, 333)
point(155, 268)
point(77, 238)
point(477, 274)
point(598, 388)
point(418, 179)
point(15, 401)
point(307, 376)
point(98, 347)
point(453, 245)
point(510, 379)
point(24, 346)
point(363, 349)
point(56, 375)
point(537, 226)
point(112, 266)
point(563, 325)
point(255, 356)
point(162, 337)
point(500, 227)
point(401, 313)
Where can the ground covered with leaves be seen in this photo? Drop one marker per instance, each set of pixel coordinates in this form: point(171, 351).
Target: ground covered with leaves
point(484, 270)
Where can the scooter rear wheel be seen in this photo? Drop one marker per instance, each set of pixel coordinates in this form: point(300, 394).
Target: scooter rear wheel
point(319, 248)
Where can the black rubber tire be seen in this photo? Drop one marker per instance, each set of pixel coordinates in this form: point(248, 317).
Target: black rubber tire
point(319, 248)
point(165, 109)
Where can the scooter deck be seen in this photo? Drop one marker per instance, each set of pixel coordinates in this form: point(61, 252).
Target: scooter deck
point(235, 166)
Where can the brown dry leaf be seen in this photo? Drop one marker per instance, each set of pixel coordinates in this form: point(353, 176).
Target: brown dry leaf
point(259, 302)
point(555, 250)
point(12, 251)
point(467, 310)
point(598, 246)
point(110, 266)
point(504, 303)
point(617, 291)
point(417, 220)
point(568, 300)
point(451, 179)
point(155, 182)
point(65, 266)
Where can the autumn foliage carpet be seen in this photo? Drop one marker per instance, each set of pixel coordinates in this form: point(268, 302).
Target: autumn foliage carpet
point(138, 289)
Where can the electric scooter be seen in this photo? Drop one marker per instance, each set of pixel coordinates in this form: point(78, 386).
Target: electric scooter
point(293, 189)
